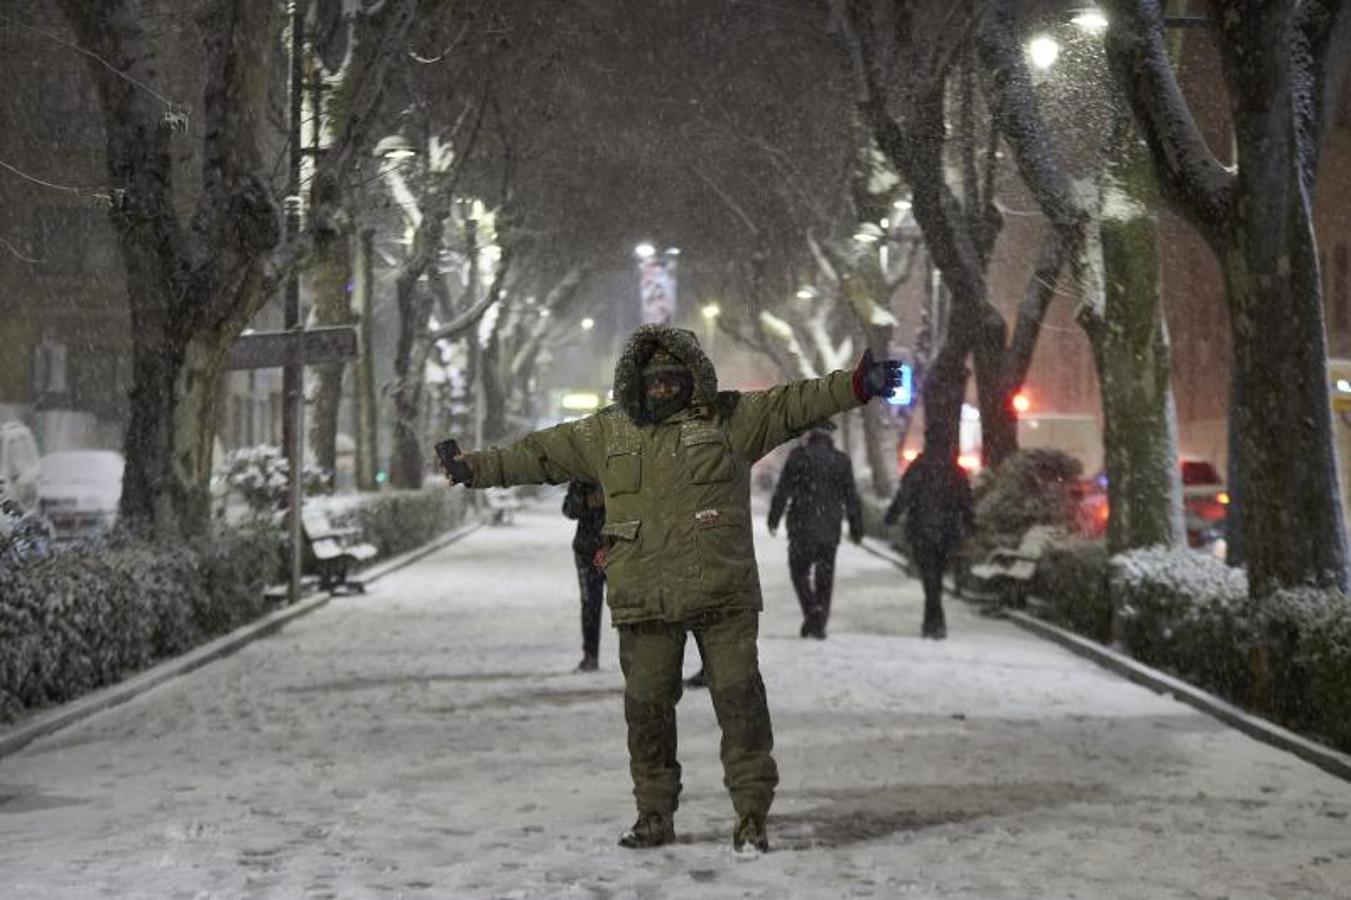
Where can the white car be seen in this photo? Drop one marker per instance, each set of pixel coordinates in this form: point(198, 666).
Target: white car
point(79, 490)
point(19, 466)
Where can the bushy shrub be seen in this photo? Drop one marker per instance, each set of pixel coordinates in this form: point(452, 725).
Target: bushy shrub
point(1031, 487)
point(1071, 580)
point(89, 615)
point(398, 521)
point(1286, 656)
point(260, 475)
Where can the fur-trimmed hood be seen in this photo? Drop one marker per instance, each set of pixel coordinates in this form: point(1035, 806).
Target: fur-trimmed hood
point(680, 343)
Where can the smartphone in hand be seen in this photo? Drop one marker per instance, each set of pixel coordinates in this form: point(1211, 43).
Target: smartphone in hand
point(446, 451)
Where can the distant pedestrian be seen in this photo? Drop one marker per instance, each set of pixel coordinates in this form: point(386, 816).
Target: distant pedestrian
point(935, 499)
point(817, 487)
point(585, 502)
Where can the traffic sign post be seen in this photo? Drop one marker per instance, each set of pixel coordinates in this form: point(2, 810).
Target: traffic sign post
point(293, 350)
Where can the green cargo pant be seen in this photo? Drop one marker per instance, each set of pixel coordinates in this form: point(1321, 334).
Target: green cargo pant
point(651, 654)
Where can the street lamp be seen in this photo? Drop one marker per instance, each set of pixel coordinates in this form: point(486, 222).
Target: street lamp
point(645, 251)
point(588, 323)
point(1090, 20)
point(395, 146)
point(711, 311)
point(1043, 50)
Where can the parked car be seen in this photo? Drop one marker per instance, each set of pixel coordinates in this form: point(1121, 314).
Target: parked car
point(19, 465)
point(1205, 504)
point(79, 491)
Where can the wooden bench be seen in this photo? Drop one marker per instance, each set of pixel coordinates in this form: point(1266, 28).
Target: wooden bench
point(1008, 571)
point(333, 551)
point(501, 505)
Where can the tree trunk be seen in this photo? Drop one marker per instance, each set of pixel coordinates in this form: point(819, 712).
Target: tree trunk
point(944, 391)
point(363, 283)
point(170, 433)
point(1293, 529)
point(329, 275)
point(407, 462)
point(494, 391)
point(879, 440)
point(1130, 348)
point(998, 421)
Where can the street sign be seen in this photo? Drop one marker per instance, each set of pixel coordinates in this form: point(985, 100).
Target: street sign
point(273, 349)
point(296, 348)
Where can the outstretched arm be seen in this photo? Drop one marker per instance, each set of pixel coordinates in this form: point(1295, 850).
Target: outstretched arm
point(550, 456)
point(764, 419)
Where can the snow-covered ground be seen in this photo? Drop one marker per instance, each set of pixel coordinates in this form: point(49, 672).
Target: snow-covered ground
point(431, 740)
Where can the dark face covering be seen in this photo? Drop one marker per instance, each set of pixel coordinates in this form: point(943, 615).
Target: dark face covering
point(666, 391)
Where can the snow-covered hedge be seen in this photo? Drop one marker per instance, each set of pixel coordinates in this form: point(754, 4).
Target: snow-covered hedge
point(1286, 656)
point(90, 615)
point(1071, 583)
point(398, 521)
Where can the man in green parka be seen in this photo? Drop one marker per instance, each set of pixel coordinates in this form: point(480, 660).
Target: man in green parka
point(674, 456)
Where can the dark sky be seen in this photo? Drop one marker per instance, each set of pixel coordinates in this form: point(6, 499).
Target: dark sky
point(683, 122)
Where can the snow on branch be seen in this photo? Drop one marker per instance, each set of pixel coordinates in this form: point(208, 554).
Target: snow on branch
point(784, 334)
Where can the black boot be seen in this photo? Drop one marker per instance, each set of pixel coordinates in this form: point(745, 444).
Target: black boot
point(589, 663)
point(652, 829)
point(749, 834)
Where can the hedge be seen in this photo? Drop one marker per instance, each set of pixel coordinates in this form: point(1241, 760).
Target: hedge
point(90, 615)
point(1286, 656)
point(399, 521)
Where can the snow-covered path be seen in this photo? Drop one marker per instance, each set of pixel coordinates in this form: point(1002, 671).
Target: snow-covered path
point(431, 740)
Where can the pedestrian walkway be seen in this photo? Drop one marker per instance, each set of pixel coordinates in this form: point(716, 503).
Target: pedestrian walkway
point(431, 740)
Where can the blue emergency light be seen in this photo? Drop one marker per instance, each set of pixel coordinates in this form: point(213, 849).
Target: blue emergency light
point(904, 394)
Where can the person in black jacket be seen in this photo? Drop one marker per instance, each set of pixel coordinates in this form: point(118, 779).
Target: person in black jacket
point(817, 487)
point(585, 502)
point(935, 498)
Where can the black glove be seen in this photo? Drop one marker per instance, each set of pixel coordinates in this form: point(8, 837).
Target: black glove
point(875, 378)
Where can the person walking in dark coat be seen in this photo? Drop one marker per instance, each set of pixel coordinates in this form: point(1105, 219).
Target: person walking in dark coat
point(817, 487)
point(585, 502)
point(935, 498)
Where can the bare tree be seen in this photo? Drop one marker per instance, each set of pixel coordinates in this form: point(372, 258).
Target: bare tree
point(1112, 233)
point(907, 58)
point(1283, 62)
point(194, 285)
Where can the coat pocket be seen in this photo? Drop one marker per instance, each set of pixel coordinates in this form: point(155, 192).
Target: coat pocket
point(726, 555)
point(708, 456)
point(623, 473)
point(620, 561)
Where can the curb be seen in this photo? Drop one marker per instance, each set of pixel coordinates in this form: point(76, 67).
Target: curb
point(394, 564)
point(45, 723)
point(1329, 760)
point(1326, 758)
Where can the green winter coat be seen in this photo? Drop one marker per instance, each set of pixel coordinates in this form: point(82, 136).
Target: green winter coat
point(677, 494)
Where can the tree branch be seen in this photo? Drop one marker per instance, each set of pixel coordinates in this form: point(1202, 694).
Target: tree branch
point(1189, 174)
